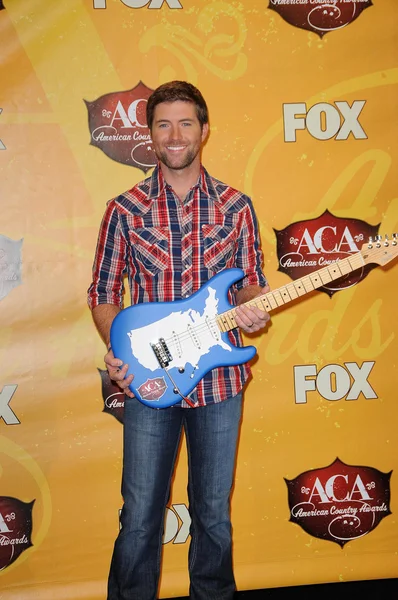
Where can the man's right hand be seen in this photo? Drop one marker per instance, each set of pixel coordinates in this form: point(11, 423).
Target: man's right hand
point(117, 372)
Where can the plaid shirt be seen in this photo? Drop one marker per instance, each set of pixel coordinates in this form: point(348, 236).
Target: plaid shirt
point(169, 249)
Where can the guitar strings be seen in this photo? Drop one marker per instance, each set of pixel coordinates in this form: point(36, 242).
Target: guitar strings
point(196, 330)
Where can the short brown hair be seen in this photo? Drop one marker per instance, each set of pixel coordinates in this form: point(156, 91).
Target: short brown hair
point(173, 91)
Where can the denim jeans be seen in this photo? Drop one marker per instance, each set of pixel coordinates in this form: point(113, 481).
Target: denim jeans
point(151, 439)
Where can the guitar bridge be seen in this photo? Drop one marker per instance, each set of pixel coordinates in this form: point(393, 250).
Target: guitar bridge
point(162, 353)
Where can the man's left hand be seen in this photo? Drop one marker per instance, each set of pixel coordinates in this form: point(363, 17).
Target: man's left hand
point(251, 318)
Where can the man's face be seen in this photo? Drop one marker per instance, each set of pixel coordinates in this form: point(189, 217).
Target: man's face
point(176, 134)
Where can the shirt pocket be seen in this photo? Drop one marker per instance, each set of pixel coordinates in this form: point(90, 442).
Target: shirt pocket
point(150, 248)
point(219, 246)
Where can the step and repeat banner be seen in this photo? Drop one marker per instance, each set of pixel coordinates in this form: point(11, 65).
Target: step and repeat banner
point(303, 113)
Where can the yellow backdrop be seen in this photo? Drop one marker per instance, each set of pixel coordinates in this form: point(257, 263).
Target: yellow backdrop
point(256, 66)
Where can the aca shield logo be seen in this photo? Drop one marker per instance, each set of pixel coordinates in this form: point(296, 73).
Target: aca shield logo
point(10, 265)
point(319, 16)
point(15, 529)
point(152, 389)
point(306, 246)
point(339, 503)
point(117, 123)
point(112, 396)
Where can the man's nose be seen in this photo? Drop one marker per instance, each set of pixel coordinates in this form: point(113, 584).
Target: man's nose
point(174, 132)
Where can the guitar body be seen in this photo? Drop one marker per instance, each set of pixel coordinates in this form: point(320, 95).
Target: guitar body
point(170, 346)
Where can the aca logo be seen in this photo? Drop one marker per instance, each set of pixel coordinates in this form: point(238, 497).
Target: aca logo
point(16, 520)
point(319, 16)
point(324, 121)
point(10, 265)
point(117, 123)
point(15, 529)
point(306, 246)
point(334, 382)
point(152, 389)
point(6, 412)
point(141, 3)
point(339, 503)
point(112, 396)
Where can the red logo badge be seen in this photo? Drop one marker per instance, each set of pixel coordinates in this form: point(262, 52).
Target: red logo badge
point(152, 389)
point(308, 246)
point(15, 529)
point(112, 396)
point(118, 126)
point(321, 17)
point(339, 503)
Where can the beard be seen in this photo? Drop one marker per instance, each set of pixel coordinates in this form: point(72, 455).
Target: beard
point(177, 163)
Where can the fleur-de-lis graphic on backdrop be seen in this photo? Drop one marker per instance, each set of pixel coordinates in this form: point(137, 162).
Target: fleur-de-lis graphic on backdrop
point(220, 53)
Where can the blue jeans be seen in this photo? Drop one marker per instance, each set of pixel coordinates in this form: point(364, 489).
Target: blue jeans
point(151, 439)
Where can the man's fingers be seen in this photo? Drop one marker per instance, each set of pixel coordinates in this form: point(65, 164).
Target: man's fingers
point(251, 318)
point(124, 385)
point(111, 361)
point(117, 372)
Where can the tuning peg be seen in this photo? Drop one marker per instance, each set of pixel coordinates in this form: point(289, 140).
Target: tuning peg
point(386, 241)
point(370, 244)
point(378, 240)
point(394, 239)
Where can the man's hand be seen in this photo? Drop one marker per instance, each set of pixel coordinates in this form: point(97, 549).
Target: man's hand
point(117, 372)
point(103, 316)
point(251, 318)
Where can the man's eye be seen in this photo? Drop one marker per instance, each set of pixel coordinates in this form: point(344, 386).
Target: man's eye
point(187, 124)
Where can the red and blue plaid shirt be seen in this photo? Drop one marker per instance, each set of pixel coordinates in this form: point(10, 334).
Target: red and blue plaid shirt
point(168, 249)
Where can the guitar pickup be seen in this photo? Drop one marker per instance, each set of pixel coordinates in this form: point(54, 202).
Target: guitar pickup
point(162, 353)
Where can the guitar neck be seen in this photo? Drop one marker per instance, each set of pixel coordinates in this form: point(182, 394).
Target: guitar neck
point(300, 287)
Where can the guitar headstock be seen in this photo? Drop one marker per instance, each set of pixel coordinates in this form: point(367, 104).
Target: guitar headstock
point(380, 251)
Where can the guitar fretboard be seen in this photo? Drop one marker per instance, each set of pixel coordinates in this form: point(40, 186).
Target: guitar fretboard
point(299, 287)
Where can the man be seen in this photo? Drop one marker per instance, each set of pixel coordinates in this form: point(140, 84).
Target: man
point(170, 234)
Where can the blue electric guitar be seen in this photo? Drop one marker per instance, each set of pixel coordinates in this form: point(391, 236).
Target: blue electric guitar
point(170, 346)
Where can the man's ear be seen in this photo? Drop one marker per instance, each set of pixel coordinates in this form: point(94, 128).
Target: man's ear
point(205, 131)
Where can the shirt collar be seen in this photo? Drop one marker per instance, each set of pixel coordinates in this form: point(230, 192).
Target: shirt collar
point(207, 185)
point(157, 184)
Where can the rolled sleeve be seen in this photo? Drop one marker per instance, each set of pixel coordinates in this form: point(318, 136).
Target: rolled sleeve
point(109, 265)
point(249, 257)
